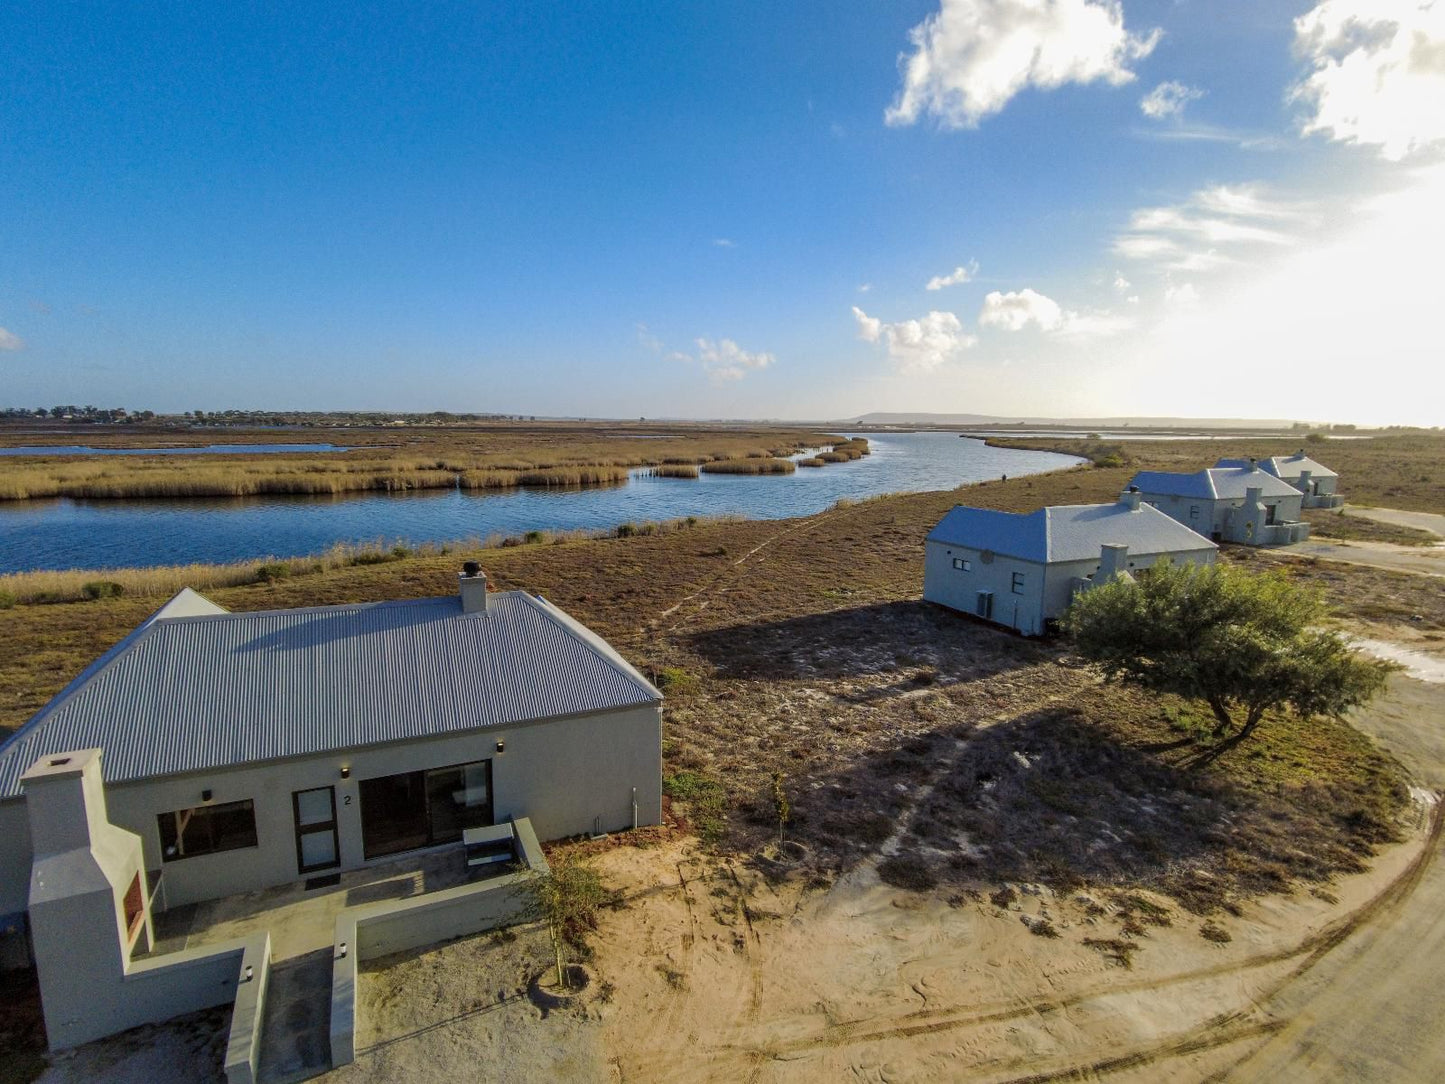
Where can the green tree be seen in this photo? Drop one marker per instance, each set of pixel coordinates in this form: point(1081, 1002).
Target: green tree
point(1242, 643)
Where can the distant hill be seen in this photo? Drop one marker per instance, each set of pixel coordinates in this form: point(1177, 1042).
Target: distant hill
point(991, 420)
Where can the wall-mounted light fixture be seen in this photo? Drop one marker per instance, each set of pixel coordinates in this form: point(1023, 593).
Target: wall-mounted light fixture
point(346, 771)
point(205, 796)
point(250, 973)
point(342, 953)
point(501, 746)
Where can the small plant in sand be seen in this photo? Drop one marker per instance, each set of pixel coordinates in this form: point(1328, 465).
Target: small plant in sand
point(567, 898)
point(782, 809)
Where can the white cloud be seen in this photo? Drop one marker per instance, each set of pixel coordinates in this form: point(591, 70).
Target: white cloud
point(917, 346)
point(865, 287)
point(1120, 282)
point(725, 360)
point(1201, 233)
point(648, 339)
point(722, 359)
point(724, 242)
point(1377, 72)
point(1182, 295)
point(973, 56)
point(1015, 311)
point(1168, 100)
point(10, 341)
point(953, 278)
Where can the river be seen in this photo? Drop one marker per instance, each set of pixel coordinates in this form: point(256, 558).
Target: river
point(58, 534)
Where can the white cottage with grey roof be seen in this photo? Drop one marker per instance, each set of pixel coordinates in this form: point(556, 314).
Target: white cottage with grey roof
point(1316, 482)
point(1243, 504)
point(254, 749)
point(1023, 570)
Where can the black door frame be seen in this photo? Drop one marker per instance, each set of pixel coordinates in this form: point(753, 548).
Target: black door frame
point(312, 829)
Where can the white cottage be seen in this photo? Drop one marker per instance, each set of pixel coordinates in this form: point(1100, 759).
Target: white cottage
point(1231, 504)
point(1315, 481)
point(254, 749)
point(1023, 570)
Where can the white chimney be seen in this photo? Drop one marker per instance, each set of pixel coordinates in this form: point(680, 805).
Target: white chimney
point(1304, 481)
point(1252, 495)
point(1113, 557)
point(1130, 497)
point(473, 582)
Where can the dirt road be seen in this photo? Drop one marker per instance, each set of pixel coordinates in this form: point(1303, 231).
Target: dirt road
point(1372, 1011)
point(1415, 559)
point(1420, 521)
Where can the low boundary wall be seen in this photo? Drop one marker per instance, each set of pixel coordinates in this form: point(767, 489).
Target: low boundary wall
point(378, 929)
point(161, 987)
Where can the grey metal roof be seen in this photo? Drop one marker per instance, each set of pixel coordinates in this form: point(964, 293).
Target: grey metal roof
point(1288, 467)
point(1072, 532)
point(212, 690)
point(1216, 483)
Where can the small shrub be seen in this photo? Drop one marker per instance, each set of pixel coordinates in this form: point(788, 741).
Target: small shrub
point(511, 542)
point(102, 589)
point(706, 802)
point(1003, 897)
point(279, 571)
point(907, 871)
point(1212, 931)
point(626, 530)
point(7, 600)
point(675, 679)
point(1115, 949)
point(1043, 928)
point(532, 538)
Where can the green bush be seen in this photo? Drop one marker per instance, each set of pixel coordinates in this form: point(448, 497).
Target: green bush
point(7, 600)
point(706, 801)
point(102, 589)
point(532, 538)
point(626, 530)
point(280, 571)
point(675, 679)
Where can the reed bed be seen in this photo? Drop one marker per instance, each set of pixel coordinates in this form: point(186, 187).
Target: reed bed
point(750, 466)
point(675, 470)
point(812, 461)
point(543, 456)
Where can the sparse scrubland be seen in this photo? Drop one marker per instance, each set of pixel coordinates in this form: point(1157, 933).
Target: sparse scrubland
point(801, 647)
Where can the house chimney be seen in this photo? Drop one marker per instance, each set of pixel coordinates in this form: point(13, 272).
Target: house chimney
point(1112, 561)
point(1130, 497)
point(1304, 481)
point(473, 583)
point(1252, 495)
point(1253, 463)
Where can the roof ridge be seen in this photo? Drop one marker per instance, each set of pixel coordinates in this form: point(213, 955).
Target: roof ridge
point(580, 633)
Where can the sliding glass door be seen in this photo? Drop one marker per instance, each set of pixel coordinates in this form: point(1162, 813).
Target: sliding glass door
point(422, 809)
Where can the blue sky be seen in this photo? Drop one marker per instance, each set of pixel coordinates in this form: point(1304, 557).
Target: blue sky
point(694, 209)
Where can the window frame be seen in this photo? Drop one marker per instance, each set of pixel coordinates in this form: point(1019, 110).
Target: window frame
point(963, 564)
point(1017, 583)
point(174, 839)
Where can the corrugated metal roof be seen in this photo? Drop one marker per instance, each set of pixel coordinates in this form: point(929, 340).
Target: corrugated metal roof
point(194, 693)
point(1216, 483)
point(1073, 532)
point(1288, 467)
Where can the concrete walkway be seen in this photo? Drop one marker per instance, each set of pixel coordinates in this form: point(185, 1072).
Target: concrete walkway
point(1420, 521)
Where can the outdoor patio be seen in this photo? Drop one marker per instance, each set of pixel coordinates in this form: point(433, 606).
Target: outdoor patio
point(302, 919)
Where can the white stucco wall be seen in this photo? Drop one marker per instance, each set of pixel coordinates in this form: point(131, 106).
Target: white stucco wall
point(1059, 580)
point(1214, 515)
point(948, 586)
point(563, 774)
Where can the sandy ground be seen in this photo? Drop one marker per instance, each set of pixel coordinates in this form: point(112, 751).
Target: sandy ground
point(1421, 560)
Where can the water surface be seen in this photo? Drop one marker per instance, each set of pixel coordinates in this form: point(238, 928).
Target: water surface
point(130, 533)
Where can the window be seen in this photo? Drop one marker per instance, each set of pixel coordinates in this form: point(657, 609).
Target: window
point(422, 809)
point(207, 829)
point(1018, 583)
point(962, 565)
point(1194, 511)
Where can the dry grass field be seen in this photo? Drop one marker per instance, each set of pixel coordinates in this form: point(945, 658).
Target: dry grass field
point(802, 647)
point(496, 456)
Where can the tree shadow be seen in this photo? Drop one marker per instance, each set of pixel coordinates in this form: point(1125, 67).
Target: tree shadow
point(1052, 796)
point(866, 640)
